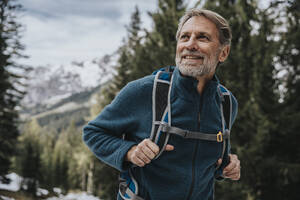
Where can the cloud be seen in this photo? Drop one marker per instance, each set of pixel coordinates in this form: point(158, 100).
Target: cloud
point(74, 38)
point(60, 31)
point(61, 8)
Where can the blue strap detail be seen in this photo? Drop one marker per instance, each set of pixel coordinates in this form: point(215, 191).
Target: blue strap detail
point(167, 69)
point(165, 76)
point(222, 88)
point(129, 182)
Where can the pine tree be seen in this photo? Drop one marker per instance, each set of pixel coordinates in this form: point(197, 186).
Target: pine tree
point(64, 164)
point(47, 141)
point(159, 44)
point(141, 55)
point(284, 143)
point(127, 57)
point(10, 80)
point(28, 160)
point(61, 154)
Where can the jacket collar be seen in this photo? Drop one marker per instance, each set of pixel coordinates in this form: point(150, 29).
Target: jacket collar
point(186, 87)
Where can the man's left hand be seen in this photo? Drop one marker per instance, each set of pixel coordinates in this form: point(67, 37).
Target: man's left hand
point(233, 169)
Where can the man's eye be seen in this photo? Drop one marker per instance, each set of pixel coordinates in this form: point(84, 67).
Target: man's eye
point(203, 37)
point(184, 37)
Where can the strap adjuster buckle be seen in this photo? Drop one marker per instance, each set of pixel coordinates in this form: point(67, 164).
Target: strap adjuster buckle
point(185, 133)
point(220, 137)
point(164, 127)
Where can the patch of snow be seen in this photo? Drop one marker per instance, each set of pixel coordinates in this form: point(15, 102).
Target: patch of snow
point(64, 108)
point(42, 192)
point(75, 196)
point(15, 183)
point(25, 187)
point(6, 198)
point(55, 99)
point(57, 190)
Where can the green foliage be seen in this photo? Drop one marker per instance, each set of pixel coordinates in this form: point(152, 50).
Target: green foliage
point(50, 159)
point(28, 160)
point(125, 61)
point(284, 144)
point(10, 80)
point(159, 45)
point(141, 55)
point(105, 180)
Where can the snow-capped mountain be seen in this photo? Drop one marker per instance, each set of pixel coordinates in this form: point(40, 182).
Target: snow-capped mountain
point(47, 85)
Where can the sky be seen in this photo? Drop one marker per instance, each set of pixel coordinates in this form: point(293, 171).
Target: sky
point(58, 32)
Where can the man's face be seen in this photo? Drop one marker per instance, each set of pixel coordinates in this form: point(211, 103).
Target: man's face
point(198, 48)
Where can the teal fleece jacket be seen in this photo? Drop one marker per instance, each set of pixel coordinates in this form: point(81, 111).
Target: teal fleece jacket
point(188, 171)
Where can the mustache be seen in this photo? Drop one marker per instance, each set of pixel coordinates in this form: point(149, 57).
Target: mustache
point(192, 53)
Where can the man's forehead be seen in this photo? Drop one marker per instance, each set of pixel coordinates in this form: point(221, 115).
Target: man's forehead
point(199, 24)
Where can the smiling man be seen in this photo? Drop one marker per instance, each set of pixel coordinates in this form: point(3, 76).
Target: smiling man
point(180, 155)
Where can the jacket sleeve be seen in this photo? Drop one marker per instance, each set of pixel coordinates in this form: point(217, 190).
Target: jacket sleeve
point(103, 135)
point(219, 173)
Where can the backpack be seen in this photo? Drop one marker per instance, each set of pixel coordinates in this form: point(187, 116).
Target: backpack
point(162, 129)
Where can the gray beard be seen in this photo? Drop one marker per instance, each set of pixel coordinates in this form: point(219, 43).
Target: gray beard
point(209, 65)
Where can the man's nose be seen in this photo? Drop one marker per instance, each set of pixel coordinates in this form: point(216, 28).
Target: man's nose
point(192, 44)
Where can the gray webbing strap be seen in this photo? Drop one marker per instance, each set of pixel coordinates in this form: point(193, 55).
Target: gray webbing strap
point(195, 135)
point(132, 195)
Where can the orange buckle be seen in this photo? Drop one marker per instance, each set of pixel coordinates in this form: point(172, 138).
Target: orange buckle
point(220, 137)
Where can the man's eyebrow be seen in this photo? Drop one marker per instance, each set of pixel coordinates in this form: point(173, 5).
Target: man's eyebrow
point(185, 32)
point(203, 33)
point(198, 33)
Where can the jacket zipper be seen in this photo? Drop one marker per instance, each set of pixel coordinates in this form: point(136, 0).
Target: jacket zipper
point(193, 172)
point(194, 160)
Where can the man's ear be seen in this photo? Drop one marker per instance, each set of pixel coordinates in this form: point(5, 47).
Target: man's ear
point(224, 53)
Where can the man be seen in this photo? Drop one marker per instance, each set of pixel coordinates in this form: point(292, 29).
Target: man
point(187, 167)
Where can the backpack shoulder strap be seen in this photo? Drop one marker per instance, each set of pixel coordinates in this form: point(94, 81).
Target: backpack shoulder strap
point(226, 115)
point(128, 186)
point(161, 108)
point(226, 106)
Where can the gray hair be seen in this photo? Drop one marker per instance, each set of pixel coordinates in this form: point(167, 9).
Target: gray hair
point(221, 23)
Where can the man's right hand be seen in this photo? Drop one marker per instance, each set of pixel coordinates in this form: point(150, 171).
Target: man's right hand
point(144, 152)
